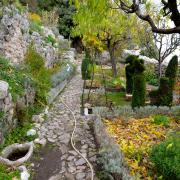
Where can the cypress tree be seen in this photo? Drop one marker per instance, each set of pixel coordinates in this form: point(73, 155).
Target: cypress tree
point(172, 71)
point(85, 67)
point(129, 73)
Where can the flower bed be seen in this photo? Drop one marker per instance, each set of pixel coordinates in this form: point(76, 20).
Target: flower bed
point(136, 137)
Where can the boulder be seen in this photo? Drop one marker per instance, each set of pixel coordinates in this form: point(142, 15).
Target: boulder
point(3, 89)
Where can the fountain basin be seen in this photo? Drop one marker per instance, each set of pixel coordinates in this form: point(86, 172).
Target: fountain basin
point(16, 154)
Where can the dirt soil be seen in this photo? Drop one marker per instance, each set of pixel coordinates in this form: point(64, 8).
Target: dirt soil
point(46, 163)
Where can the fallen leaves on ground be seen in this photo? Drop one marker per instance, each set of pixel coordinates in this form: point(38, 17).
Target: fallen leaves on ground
point(135, 139)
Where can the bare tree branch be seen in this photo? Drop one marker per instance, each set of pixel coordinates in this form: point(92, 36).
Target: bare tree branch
point(171, 5)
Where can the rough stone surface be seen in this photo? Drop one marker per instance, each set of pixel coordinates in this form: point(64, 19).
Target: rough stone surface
point(15, 38)
point(58, 129)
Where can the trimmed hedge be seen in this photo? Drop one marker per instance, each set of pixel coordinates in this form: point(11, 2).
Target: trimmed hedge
point(139, 84)
point(172, 71)
point(164, 95)
point(129, 73)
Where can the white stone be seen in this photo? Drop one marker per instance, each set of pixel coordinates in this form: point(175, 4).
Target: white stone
point(40, 141)
point(24, 173)
point(31, 132)
point(3, 89)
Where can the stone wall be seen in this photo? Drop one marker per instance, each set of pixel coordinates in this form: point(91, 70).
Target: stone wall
point(15, 38)
point(6, 109)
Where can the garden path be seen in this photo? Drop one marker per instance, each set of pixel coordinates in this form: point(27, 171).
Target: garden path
point(58, 129)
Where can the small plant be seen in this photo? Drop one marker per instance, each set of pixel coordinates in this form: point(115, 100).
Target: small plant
point(34, 27)
point(13, 76)
point(166, 158)
point(50, 39)
point(160, 119)
point(18, 135)
point(35, 18)
point(7, 174)
point(150, 75)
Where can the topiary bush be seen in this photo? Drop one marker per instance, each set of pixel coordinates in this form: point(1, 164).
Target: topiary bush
point(129, 73)
point(86, 69)
point(164, 95)
point(172, 71)
point(139, 84)
point(166, 158)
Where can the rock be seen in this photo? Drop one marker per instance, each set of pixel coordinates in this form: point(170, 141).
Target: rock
point(3, 89)
point(37, 118)
point(40, 141)
point(24, 173)
point(31, 132)
point(80, 176)
point(80, 162)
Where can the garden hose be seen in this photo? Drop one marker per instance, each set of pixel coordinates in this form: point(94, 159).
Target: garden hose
point(72, 140)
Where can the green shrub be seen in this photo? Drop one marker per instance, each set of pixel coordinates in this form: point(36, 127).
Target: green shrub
point(160, 119)
point(13, 76)
point(139, 84)
point(165, 93)
point(18, 135)
point(166, 158)
point(150, 75)
point(130, 72)
point(139, 90)
point(86, 67)
point(40, 74)
point(172, 71)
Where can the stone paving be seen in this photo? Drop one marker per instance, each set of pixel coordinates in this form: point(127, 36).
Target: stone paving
point(58, 128)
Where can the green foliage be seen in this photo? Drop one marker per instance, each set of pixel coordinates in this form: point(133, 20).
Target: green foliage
point(40, 74)
point(164, 95)
point(115, 83)
point(50, 39)
point(130, 72)
point(172, 71)
point(139, 90)
point(8, 174)
point(166, 158)
point(66, 12)
point(18, 135)
point(139, 84)
point(14, 76)
point(35, 27)
point(160, 119)
point(150, 75)
point(86, 69)
point(165, 92)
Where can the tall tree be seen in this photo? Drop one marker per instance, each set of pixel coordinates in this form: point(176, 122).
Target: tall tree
point(169, 9)
point(111, 27)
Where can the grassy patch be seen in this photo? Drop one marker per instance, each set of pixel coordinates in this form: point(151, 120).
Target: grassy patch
point(8, 174)
point(117, 98)
point(18, 135)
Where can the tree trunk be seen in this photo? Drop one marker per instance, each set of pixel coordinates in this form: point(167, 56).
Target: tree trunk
point(113, 63)
point(159, 70)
